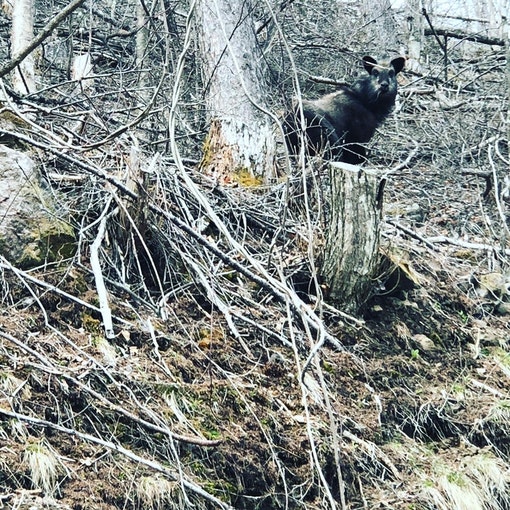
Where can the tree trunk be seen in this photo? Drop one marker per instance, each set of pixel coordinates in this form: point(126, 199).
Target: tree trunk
point(381, 26)
point(241, 140)
point(142, 39)
point(22, 32)
point(352, 235)
point(414, 34)
point(506, 35)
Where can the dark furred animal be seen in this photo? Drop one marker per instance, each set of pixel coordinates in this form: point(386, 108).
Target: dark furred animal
point(339, 125)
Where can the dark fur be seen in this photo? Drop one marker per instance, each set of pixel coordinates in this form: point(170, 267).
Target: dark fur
point(339, 125)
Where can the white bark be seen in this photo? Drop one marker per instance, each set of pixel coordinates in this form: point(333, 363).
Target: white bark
point(414, 32)
point(506, 31)
point(22, 32)
point(82, 71)
point(379, 17)
point(102, 293)
point(241, 136)
point(142, 38)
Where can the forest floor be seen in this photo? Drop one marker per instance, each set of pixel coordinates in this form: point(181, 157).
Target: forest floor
point(413, 412)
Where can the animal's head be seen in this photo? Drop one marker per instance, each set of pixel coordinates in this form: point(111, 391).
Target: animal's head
point(383, 81)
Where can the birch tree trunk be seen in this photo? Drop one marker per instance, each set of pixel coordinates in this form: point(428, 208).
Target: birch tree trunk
point(22, 32)
point(142, 38)
point(506, 35)
point(414, 33)
point(241, 139)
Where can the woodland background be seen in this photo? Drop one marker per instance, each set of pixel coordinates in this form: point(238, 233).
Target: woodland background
point(160, 343)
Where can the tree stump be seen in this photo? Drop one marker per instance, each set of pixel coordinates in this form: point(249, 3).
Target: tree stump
point(351, 235)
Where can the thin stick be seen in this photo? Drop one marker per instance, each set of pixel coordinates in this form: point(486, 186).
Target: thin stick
point(411, 233)
point(466, 244)
point(373, 449)
point(95, 264)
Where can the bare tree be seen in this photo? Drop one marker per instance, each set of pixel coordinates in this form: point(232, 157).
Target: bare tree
point(381, 25)
point(414, 33)
point(142, 36)
point(241, 137)
point(505, 30)
point(22, 32)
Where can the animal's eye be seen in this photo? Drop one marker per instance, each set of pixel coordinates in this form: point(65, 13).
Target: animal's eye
point(391, 73)
point(375, 72)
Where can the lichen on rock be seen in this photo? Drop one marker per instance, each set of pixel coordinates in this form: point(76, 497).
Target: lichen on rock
point(30, 231)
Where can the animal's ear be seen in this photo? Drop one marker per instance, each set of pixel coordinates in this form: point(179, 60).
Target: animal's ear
point(398, 64)
point(369, 63)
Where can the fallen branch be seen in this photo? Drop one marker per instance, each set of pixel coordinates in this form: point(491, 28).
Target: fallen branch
point(480, 385)
point(481, 173)
point(373, 449)
point(465, 244)
point(95, 264)
point(465, 36)
point(411, 233)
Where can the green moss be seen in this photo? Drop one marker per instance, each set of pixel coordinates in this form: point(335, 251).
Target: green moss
point(166, 389)
point(245, 178)
point(502, 356)
point(328, 367)
point(79, 282)
point(221, 489)
point(52, 240)
point(91, 325)
point(456, 478)
point(212, 434)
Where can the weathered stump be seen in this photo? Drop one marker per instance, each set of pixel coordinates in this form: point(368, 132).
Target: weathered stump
point(352, 231)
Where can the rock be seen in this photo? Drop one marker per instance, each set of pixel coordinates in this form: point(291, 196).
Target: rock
point(503, 308)
point(425, 343)
point(31, 232)
point(495, 285)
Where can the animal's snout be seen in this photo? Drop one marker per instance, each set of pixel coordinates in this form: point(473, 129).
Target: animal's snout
point(384, 85)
